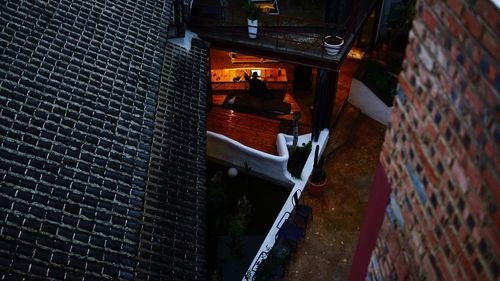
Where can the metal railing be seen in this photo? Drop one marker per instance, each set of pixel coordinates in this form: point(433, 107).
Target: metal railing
point(279, 32)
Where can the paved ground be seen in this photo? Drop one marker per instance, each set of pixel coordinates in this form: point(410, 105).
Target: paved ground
point(327, 251)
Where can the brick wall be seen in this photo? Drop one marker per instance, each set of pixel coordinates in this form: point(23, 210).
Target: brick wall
point(441, 150)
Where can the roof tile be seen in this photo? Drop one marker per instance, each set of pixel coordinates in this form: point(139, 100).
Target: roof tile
point(63, 64)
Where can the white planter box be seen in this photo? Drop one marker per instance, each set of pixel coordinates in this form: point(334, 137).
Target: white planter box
point(363, 98)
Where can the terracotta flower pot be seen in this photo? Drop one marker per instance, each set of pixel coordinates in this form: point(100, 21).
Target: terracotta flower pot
point(316, 189)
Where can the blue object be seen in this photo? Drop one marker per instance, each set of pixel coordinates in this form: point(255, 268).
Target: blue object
point(303, 211)
point(290, 232)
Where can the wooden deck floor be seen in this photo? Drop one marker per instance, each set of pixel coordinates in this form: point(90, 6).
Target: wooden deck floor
point(251, 130)
point(259, 132)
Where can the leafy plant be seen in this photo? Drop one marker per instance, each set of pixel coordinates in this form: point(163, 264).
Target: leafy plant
point(298, 159)
point(268, 267)
point(244, 207)
point(236, 227)
point(401, 15)
point(318, 174)
point(399, 24)
point(379, 80)
point(253, 12)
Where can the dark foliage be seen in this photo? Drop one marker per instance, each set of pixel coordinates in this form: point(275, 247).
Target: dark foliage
point(382, 82)
point(298, 159)
point(272, 266)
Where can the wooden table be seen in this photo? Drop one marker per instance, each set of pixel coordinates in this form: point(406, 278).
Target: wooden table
point(268, 75)
point(251, 130)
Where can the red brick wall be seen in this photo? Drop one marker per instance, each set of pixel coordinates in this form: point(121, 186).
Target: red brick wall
point(441, 151)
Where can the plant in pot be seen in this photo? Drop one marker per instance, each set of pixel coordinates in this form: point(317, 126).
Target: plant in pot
point(377, 77)
point(253, 14)
point(298, 159)
point(317, 180)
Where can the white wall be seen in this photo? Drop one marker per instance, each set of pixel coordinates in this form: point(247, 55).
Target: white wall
point(363, 98)
point(271, 167)
point(299, 185)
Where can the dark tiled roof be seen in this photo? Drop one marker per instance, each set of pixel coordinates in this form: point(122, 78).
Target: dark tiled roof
point(79, 85)
point(172, 239)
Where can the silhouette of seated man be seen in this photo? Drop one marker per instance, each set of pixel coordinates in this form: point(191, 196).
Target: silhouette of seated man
point(257, 87)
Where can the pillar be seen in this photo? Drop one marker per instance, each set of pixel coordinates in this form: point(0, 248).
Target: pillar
point(338, 11)
point(376, 25)
point(324, 100)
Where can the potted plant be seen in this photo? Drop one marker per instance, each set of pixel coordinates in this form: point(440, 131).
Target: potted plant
point(253, 14)
point(298, 159)
point(317, 180)
point(373, 89)
point(333, 44)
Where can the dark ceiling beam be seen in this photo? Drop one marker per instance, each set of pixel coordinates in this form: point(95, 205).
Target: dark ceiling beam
point(288, 57)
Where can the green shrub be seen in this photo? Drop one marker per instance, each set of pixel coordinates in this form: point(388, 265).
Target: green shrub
point(253, 12)
point(298, 159)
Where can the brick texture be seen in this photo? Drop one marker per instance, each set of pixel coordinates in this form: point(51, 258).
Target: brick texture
point(173, 227)
point(441, 150)
point(101, 143)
